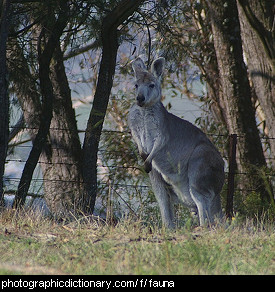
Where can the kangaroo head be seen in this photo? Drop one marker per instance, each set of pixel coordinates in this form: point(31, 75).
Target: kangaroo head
point(148, 84)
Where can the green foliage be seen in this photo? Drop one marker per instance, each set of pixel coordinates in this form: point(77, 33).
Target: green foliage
point(252, 204)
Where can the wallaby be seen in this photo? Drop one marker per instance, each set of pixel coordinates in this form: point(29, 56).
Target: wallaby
point(183, 165)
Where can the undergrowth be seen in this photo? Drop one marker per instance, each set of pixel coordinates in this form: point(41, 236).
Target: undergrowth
point(33, 244)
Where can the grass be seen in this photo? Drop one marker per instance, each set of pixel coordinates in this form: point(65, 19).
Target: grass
point(31, 244)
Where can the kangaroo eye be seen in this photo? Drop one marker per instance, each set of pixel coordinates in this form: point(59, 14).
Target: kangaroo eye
point(136, 86)
point(152, 85)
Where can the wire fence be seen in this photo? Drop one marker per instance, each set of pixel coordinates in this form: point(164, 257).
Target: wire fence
point(22, 146)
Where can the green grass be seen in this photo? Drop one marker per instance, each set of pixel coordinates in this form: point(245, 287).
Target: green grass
point(30, 244)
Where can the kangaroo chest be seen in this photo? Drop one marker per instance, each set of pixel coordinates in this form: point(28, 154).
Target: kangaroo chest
point(150, 130)
point(148, 126)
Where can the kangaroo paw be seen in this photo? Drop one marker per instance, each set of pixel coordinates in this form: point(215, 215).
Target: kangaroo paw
point(143, 156)
point(147, 166)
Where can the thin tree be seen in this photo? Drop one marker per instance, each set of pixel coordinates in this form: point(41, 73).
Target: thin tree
point(4, 99)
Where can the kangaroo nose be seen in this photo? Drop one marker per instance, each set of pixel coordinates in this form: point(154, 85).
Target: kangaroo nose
point(140, 99)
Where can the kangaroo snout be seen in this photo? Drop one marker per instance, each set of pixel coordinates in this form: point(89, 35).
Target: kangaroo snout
point(140, 100)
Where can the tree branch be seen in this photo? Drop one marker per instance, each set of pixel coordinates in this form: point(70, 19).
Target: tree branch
point(78, 51)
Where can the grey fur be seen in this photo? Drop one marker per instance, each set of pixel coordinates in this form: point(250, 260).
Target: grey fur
point(182, 163)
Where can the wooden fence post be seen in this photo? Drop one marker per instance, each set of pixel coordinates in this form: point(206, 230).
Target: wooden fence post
point(231, 175)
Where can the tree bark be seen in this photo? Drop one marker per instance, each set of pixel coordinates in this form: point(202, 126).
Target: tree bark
point(109, 36)
point(258, 35)
point(240, 113)
point(61, 161)
point(4, 98)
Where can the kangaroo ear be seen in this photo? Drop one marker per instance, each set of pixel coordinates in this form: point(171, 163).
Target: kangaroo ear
point(138, 66)
point(157, 67)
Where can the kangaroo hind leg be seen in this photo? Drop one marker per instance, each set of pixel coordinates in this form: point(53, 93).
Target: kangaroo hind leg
point(203, 201)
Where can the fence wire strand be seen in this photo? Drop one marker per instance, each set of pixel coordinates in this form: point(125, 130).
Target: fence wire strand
point(102, 151)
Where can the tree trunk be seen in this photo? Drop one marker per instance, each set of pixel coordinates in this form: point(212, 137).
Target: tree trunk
point(240, 113)
point(110, 45)
point(207, 62)
point(61, 160)
point(4, 98)
point(44, 58)
point(258, 35)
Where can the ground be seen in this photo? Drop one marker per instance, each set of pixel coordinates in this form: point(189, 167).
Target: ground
point(31, 244)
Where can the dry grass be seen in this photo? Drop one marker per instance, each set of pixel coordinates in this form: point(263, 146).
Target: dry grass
point(32, 244)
